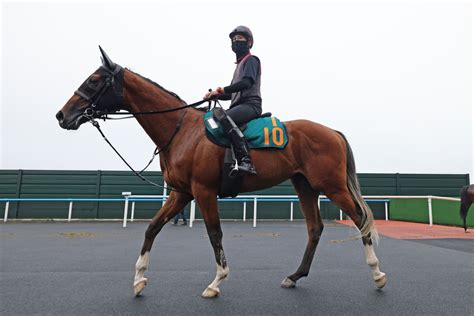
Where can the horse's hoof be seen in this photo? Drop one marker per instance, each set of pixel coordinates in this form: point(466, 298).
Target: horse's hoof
point(287, 283)
point(210, 293)
point(380, 283)
point(139, 286)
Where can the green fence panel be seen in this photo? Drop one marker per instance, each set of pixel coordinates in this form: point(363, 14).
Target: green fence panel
point(10, 186)
point(470, 217)
point(378, 184)
point(432, 184)
point(57, 184)
point(111, 184)
point(412, 210)
point(447, 213)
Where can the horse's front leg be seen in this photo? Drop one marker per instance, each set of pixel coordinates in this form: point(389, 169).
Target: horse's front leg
point(175, 203)
point(207, 202)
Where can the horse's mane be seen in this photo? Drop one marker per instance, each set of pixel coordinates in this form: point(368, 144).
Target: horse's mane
point(201, 109)
point(157, 85)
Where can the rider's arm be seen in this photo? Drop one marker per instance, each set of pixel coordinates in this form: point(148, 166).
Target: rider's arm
point(243, 84)
point(225, 96)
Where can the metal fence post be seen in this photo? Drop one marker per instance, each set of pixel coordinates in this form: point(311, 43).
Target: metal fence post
point(254, 211)
point(386, 210)
point(430, 211)
point(165, 189)
point(133, 212)
point(125, 208)
point(291, 211)
point(245, 212)
point(70, 212)
point(340, 215)
point(192, 213)
point(5, 217)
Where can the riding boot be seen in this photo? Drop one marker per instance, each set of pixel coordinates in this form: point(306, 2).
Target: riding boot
point(241, 151)
point(239, 144)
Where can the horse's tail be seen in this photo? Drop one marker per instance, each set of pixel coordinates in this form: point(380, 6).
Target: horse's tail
point(368, 228)
point(465, 203)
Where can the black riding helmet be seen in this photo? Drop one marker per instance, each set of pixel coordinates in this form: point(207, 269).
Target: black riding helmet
point(245, 31)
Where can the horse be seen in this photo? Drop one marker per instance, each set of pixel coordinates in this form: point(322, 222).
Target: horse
point(317, 159)
point(467, 198)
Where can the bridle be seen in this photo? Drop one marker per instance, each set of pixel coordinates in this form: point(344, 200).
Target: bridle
point(115, 100)
point(106, 98)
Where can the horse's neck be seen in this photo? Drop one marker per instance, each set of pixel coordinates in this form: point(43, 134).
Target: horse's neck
point(140, 95)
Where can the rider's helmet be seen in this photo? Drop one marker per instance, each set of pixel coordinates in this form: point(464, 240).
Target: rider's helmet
point(245, 31)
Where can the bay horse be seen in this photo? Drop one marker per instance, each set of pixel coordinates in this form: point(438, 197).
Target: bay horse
point(467, 198)
point(317, 159)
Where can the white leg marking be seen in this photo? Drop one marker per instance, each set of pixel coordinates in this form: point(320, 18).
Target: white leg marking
point(221, 274)
point(212, 289)
point(373, 262)
point(140, 268)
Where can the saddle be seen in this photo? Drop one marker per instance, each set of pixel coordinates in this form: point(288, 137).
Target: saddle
point(263, 132)
point(266, 114)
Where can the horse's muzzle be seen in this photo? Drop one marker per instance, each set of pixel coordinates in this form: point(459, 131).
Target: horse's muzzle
point(70, 124)
point(60, 118)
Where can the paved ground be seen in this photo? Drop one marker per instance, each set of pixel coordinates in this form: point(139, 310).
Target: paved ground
point(87, 269)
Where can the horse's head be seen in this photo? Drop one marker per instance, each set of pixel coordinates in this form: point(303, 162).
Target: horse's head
point(101, 93)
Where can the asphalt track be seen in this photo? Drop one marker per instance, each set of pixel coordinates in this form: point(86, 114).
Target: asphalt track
point(87, 269)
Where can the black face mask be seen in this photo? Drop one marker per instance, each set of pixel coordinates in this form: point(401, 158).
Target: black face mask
point(240, 48)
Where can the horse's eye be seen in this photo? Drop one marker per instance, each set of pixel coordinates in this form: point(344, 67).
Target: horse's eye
point(94, 78)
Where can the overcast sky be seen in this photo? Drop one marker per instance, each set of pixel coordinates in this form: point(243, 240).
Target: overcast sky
point(395, 78)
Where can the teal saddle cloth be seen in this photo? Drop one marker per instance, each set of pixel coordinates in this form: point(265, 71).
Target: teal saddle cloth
point(263, 132)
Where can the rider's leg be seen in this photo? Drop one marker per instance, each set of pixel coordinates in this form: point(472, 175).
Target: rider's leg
point(243, 114)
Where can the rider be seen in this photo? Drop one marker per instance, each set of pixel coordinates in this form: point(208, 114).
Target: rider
point(244, 93)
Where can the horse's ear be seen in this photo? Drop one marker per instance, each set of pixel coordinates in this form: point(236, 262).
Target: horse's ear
point(106, 61)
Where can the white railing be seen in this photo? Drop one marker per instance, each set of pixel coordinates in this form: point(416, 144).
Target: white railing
point(128, 197)
point(294, 198)
point(244, 199)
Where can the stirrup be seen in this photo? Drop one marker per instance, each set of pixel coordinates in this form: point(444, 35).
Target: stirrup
point(240, 171)
point(234, 173)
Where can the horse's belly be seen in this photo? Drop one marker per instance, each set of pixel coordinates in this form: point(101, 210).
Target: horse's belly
point(273, 167)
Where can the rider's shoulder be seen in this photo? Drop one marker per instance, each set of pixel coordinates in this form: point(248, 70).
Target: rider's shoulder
point(253, 60)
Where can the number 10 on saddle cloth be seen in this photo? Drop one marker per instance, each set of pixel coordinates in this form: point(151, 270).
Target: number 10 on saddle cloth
point(263, 132)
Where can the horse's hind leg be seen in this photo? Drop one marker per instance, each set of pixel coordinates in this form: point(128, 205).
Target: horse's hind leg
point(175, 203)
point(345, 201)
point(308, 199)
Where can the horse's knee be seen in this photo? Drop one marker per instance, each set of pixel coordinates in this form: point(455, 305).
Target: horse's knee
point(315, 233)
point(321, 228)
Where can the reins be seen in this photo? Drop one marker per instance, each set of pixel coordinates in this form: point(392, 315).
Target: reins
point(111, 81)
point(193, 105)
point(104, 116)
